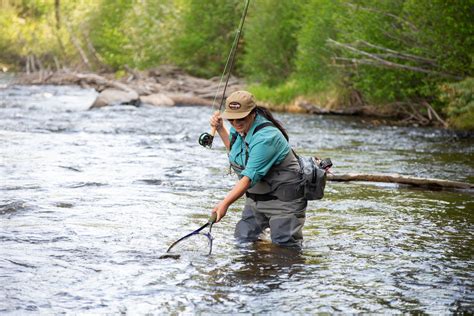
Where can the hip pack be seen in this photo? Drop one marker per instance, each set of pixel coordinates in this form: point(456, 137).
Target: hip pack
point(313, 176)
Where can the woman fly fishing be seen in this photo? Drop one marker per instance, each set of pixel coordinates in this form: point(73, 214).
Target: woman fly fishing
point(267, 169)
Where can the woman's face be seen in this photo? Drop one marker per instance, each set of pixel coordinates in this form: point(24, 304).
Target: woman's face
point(243, 125)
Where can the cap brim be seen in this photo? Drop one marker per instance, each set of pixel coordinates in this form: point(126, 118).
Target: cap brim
point(234, 116)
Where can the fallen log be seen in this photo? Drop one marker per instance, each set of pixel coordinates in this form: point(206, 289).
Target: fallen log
point(397, 178)
point(96, 80)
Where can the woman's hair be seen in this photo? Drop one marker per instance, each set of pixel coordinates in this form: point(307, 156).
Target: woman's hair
point(269, 116)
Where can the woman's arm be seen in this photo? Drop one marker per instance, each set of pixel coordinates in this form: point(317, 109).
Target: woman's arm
point(217, 123)
point(237, 191)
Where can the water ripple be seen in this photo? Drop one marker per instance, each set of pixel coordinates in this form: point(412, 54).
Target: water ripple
point(90, 200)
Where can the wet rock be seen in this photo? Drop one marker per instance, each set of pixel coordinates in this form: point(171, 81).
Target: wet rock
point(151, 181)
point(64, 205)
point(169, 256)
point(12, 207)
point(189, 99)
point(115, 97)
point(157, 99)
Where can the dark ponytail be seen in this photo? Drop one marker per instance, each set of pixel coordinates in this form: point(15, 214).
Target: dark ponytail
point(260, 110)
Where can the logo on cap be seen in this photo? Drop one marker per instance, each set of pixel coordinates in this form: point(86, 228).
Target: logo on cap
point(234, 106)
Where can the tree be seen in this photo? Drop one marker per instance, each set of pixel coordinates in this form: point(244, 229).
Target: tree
point(208, 28)
point(313, 60)
point(400, 50)
point(270, 40)
point(109, 36)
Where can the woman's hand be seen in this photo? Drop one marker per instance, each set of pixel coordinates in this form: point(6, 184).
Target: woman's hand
point(220, 209)
point(237, 191)
point(216, 120)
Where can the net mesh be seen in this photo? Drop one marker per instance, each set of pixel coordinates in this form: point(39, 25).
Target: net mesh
point(194, 244)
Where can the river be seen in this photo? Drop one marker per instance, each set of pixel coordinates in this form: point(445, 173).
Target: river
point(89, 201)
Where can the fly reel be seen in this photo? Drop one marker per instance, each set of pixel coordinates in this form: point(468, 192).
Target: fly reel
point(205, 140)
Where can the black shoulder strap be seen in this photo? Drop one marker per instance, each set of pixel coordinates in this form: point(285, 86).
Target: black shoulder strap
point(232, 140)
point(259, 127)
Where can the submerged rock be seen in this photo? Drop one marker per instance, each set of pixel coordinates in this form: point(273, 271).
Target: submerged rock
point(169, 256)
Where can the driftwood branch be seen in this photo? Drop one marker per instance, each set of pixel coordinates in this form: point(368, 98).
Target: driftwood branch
point(97, 57)
point(375, 60)
point(396, 54)
point(387, 14)
point(431, 112)
point(396, 178)
point(77, 45)
point(96, 80)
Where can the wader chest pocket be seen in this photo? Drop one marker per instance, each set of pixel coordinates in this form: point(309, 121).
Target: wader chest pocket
point(290, 191)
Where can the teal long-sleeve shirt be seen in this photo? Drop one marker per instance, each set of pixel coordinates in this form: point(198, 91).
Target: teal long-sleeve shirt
point(266, 148)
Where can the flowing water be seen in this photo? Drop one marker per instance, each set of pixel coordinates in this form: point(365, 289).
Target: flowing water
point(89, 201)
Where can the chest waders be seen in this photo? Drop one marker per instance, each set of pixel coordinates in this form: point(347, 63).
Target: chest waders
point(273, 202)
point(282, 182)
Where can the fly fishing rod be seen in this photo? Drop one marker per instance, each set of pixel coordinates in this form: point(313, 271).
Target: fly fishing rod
point(206, 139)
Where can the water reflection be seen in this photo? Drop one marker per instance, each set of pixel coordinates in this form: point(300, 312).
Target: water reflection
point(89, 200)
point(264, 266)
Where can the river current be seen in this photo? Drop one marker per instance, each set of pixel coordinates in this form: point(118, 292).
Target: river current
point(90, 200)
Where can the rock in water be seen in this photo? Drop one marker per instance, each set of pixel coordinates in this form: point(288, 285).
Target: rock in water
point(157, 99)
point(169, 256)
point(115, 97)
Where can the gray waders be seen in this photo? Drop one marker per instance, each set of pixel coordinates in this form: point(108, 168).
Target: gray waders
point(273, 203)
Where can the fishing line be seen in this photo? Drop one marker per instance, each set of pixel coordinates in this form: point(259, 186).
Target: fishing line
point(206, 139)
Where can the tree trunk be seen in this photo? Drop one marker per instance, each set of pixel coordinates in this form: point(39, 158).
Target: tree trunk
point(57, 11)
point(396, 178)
point(77, 45)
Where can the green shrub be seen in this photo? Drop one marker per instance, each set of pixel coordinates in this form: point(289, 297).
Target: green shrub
point(203, 42)
point(277, 95)
point(270, 40)
point(109, 36)
point(313, 58)
point(459, 100)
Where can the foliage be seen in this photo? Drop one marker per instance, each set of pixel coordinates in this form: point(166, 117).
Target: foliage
point(270, 47)
point(25, 31)
point(132, 33)
point(459, 98)
point(394, 53)
point(109, 36)
point(277, 95)
point(203, 43)
point(30, 29)
point(444, 31)
point(373, 23)
point(313, 58)
point(409, 51)
point(153, 26)
point(283, 94)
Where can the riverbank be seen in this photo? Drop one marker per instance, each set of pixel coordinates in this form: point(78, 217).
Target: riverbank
point(170, 86)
